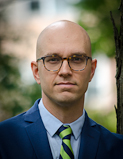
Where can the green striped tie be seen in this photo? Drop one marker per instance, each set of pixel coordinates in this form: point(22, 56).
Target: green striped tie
point(66, 150)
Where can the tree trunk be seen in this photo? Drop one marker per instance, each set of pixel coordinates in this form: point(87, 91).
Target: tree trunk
point(118, 36)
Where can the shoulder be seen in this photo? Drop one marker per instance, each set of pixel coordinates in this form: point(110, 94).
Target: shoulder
point(104, 133)
point(107, 137)
point(20, 119)
point(12, 121)
point(109, 144)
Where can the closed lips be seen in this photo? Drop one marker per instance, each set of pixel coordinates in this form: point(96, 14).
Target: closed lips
point(65, 83)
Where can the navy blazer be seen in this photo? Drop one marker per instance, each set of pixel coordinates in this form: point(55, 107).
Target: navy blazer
point(25, 137)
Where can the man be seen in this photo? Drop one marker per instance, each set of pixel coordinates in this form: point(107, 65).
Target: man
point(57, 126)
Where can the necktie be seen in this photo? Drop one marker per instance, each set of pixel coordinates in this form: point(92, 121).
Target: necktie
point(66, 151)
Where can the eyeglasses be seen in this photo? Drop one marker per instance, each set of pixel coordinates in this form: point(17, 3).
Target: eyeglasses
point(54, 62)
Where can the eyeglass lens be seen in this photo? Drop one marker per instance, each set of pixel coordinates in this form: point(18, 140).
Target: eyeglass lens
point(54, 62)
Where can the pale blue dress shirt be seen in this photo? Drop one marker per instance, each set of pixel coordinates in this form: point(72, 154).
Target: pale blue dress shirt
point(52, 124)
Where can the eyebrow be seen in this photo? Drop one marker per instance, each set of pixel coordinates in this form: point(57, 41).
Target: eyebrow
point(78, 53)
point(48, 54)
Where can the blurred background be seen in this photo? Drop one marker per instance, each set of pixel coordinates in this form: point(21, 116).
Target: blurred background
point(21, 21)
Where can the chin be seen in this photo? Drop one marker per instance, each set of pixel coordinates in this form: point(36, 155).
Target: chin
point(66, 100)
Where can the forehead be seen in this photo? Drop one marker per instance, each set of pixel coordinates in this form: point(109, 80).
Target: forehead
point(64, 40)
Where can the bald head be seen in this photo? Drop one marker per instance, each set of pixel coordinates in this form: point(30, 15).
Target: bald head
point(62, 32)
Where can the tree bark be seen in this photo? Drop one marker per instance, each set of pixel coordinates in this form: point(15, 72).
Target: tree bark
point(118, 36)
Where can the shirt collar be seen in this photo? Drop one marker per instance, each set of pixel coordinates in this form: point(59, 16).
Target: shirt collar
point(55, 124)
point(77, 125)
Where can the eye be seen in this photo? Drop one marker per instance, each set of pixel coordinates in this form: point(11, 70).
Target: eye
point(77, 59)
point(53, 60)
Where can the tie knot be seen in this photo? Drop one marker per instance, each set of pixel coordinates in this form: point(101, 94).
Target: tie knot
point(65, 132)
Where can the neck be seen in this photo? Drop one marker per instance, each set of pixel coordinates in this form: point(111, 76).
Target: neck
point(65, 113)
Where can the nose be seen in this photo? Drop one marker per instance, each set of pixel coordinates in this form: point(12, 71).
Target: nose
point(65, 69)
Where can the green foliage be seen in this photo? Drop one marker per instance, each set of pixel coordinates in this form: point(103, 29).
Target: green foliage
point(14, 96)
point(95, 18)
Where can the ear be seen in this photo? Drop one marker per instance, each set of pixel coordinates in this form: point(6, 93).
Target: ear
point(93, 68)
point(34, 67)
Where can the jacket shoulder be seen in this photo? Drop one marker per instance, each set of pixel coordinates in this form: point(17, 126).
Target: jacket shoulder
point(21, 118)
point(103, 131)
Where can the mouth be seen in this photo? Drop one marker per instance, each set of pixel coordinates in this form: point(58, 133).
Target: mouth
point(65, 84)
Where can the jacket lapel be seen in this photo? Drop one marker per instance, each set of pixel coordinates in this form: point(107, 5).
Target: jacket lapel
point(39, 140)
point(37, 133)
point(89, 140)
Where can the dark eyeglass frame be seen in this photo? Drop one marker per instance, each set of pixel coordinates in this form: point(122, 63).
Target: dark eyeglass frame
point(65, 58)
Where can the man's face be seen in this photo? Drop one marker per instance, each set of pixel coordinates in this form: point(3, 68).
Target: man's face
point(65, 86)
